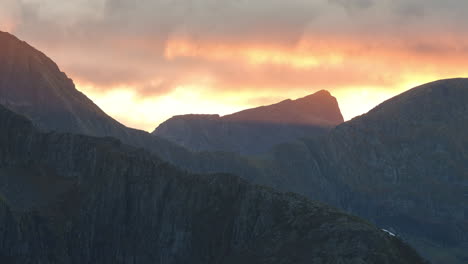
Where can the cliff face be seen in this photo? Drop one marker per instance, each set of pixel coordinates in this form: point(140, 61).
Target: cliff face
point(77, 199)
point(250, 131)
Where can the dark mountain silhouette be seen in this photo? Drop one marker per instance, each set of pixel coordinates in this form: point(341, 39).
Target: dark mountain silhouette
point(48, 97)
point(32, 84)
point(257, 130)
point(76, 199)
point(402, 166)
point(318, 109)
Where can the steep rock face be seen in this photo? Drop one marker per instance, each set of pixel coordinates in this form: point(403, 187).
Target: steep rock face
point(257, 130)
point(77, 199)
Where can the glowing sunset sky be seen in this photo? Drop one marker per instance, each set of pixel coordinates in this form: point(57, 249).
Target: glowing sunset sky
point(145, 61)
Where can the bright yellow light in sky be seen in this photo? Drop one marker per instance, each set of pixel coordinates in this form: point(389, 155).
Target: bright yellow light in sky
point(230, 78)
point(127, 107)
point(124, 104)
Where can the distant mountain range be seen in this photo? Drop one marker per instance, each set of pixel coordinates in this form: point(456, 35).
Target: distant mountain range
point(402, 166)
point(75, 199)
point(68, 198)
point(257, 130)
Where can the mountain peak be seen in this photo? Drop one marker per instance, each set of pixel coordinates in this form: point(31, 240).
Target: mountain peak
point(321, 93)
point(33, 85)
point(255, 130)
point(318, 109)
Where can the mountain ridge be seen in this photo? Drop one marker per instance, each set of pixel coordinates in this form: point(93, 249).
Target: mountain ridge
point(249, 131)
point(405, 171)
point(317, 109)
point(122, 204)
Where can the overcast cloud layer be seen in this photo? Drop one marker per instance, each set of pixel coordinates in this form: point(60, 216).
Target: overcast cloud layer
point(230, 54)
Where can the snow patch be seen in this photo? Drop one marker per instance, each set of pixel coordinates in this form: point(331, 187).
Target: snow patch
point(388, 232)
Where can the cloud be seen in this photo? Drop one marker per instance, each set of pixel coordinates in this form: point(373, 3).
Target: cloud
point(9, 15)
point(268, 48)
point(354, 4)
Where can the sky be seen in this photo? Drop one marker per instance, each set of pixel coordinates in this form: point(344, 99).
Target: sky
point(143, 61)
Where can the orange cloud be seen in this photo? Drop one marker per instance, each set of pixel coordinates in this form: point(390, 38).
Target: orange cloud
point(251, 54)
point(223, 77)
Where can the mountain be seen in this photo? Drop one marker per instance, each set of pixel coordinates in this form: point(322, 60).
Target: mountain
point(318, 109)
point(402, 166)
point(32, 84)
point(249, 132)
point(68, 198)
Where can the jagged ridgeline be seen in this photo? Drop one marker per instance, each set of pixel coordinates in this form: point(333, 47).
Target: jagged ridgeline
point(68, 198)
point(403, 166)
point(255, 131)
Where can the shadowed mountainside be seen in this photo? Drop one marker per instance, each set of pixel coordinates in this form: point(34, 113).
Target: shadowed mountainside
point(32, 84)
point(250, 131)
point(318, 109)
point(75, 199)
point(403, 165)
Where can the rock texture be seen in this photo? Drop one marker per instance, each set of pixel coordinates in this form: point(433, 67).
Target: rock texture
point(402, 166)
point(250, 131)
point(76, 199)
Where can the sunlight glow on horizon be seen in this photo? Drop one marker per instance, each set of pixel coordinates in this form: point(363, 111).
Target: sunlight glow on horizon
point(126, 106)
point(223, 78)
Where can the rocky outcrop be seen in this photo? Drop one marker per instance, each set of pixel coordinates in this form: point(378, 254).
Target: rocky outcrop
point(257, 130)
point(76, 199)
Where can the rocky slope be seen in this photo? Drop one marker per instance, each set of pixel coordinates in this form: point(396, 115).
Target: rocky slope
point(403, 165)
point(75, 199)
point(32, 84)
point(250, 131)
point(318, 109)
